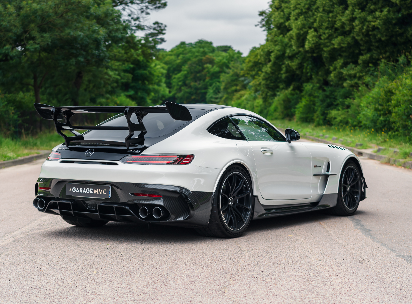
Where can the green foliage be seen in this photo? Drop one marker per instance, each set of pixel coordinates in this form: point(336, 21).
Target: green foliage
point(141, 78)
point(249, 101)
point(382, 103)
point(10, 113)
point(76, 52)
point(201, 73)
point(334, 63)
point(387, 105)
point(284, 105)
point(137, 10)
point(42, 40)
point(328, 63)
point(330, 42)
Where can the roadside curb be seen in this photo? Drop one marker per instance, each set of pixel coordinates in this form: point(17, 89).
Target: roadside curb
point(358, 152)
point(24, 160)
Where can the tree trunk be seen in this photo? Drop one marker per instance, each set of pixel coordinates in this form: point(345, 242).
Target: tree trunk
point(38, 85)
point(36, 88)
point(37, 98)
point(77, 85)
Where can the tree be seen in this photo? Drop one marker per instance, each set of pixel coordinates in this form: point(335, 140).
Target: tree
point(329, 43)
point(42, 39)
point(135, 12)
point(194, 71)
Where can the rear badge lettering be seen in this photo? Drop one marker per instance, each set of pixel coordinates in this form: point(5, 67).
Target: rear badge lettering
point(92, 191)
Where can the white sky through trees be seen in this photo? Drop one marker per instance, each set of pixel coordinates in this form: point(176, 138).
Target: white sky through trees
point(224, 22)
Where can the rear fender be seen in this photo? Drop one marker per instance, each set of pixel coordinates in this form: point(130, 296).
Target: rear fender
point(235, 162)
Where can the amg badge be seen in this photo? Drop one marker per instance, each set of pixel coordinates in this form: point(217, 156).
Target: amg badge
point(91, 191)
point(89, 152)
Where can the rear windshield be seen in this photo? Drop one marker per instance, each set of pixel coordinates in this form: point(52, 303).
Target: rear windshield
point(159, 126)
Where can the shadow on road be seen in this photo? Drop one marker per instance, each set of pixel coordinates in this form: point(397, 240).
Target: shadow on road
point(126, 232)
point(286, 221)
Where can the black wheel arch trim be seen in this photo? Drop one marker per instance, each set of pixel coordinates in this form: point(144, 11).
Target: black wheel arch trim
point(357, 162)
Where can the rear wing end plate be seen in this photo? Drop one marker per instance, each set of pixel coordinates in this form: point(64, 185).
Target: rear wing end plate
point(62, 115)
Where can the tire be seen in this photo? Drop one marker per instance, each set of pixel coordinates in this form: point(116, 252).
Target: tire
point(350, 190)
point(232, 205)
point(83, 222)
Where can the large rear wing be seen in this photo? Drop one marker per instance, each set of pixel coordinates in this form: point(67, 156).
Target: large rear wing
point(62, 115)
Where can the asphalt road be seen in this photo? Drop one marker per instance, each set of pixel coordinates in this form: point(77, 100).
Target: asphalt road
point(306, 258)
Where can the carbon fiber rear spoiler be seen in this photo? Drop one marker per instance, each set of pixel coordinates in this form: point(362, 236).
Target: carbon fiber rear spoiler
point(61, 117)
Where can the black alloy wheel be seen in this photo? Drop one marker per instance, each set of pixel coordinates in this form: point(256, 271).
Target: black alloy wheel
point(235, 204)
point(232, 207)
point(350, 190)
point(351, 187)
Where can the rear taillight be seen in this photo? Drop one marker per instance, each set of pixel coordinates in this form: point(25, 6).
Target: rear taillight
point(158, 159)
point(54, 156)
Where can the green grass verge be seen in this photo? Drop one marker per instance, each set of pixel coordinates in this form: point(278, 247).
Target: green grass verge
point(11, 149)
point(350, 137)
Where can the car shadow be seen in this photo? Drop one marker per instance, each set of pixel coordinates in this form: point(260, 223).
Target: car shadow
point(280, 222)
point(128, 232)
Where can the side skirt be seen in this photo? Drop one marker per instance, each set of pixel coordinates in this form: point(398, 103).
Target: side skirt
point(261, 211)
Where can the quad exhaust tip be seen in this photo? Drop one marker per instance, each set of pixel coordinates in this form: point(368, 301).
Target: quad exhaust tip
point(39, 203)
point(157, 212)
point(144, 212)
point(35, 203)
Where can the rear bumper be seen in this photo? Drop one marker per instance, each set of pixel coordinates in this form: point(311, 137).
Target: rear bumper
point(191, 177)
point(177, 205)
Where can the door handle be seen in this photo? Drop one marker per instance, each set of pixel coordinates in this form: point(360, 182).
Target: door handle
point(266, 151)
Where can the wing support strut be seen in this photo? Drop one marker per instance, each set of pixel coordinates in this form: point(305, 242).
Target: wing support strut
point(61, 117)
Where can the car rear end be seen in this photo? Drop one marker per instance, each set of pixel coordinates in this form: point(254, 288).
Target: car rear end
point(99, 178)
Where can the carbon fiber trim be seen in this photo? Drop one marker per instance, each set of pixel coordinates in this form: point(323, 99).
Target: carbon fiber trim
point(180, 203)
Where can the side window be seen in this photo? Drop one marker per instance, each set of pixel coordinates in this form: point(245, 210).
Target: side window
point(255, 129)
point(226, 129)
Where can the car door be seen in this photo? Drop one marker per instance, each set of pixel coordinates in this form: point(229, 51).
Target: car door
point(283, 169)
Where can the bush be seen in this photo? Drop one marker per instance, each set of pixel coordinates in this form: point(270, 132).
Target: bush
point(284, 105)
point(387, 105)
point(321, 105)
point(14, 110)
point(249, 101)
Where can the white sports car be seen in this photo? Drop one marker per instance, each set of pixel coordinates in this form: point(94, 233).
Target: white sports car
point(210, 167)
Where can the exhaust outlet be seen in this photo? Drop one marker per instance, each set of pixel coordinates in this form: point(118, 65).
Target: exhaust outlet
point(143, 212)
point(41, 204)
point(157, 212)
point(36, 203)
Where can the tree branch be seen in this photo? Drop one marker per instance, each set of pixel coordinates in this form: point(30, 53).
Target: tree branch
point(42, 80)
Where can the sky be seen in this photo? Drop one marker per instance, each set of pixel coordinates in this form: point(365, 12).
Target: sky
point(224, 22)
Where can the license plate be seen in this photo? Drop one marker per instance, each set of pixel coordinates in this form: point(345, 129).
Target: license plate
point(91, 191)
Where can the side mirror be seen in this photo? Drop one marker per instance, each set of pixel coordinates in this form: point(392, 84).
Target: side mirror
point(291, 135)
